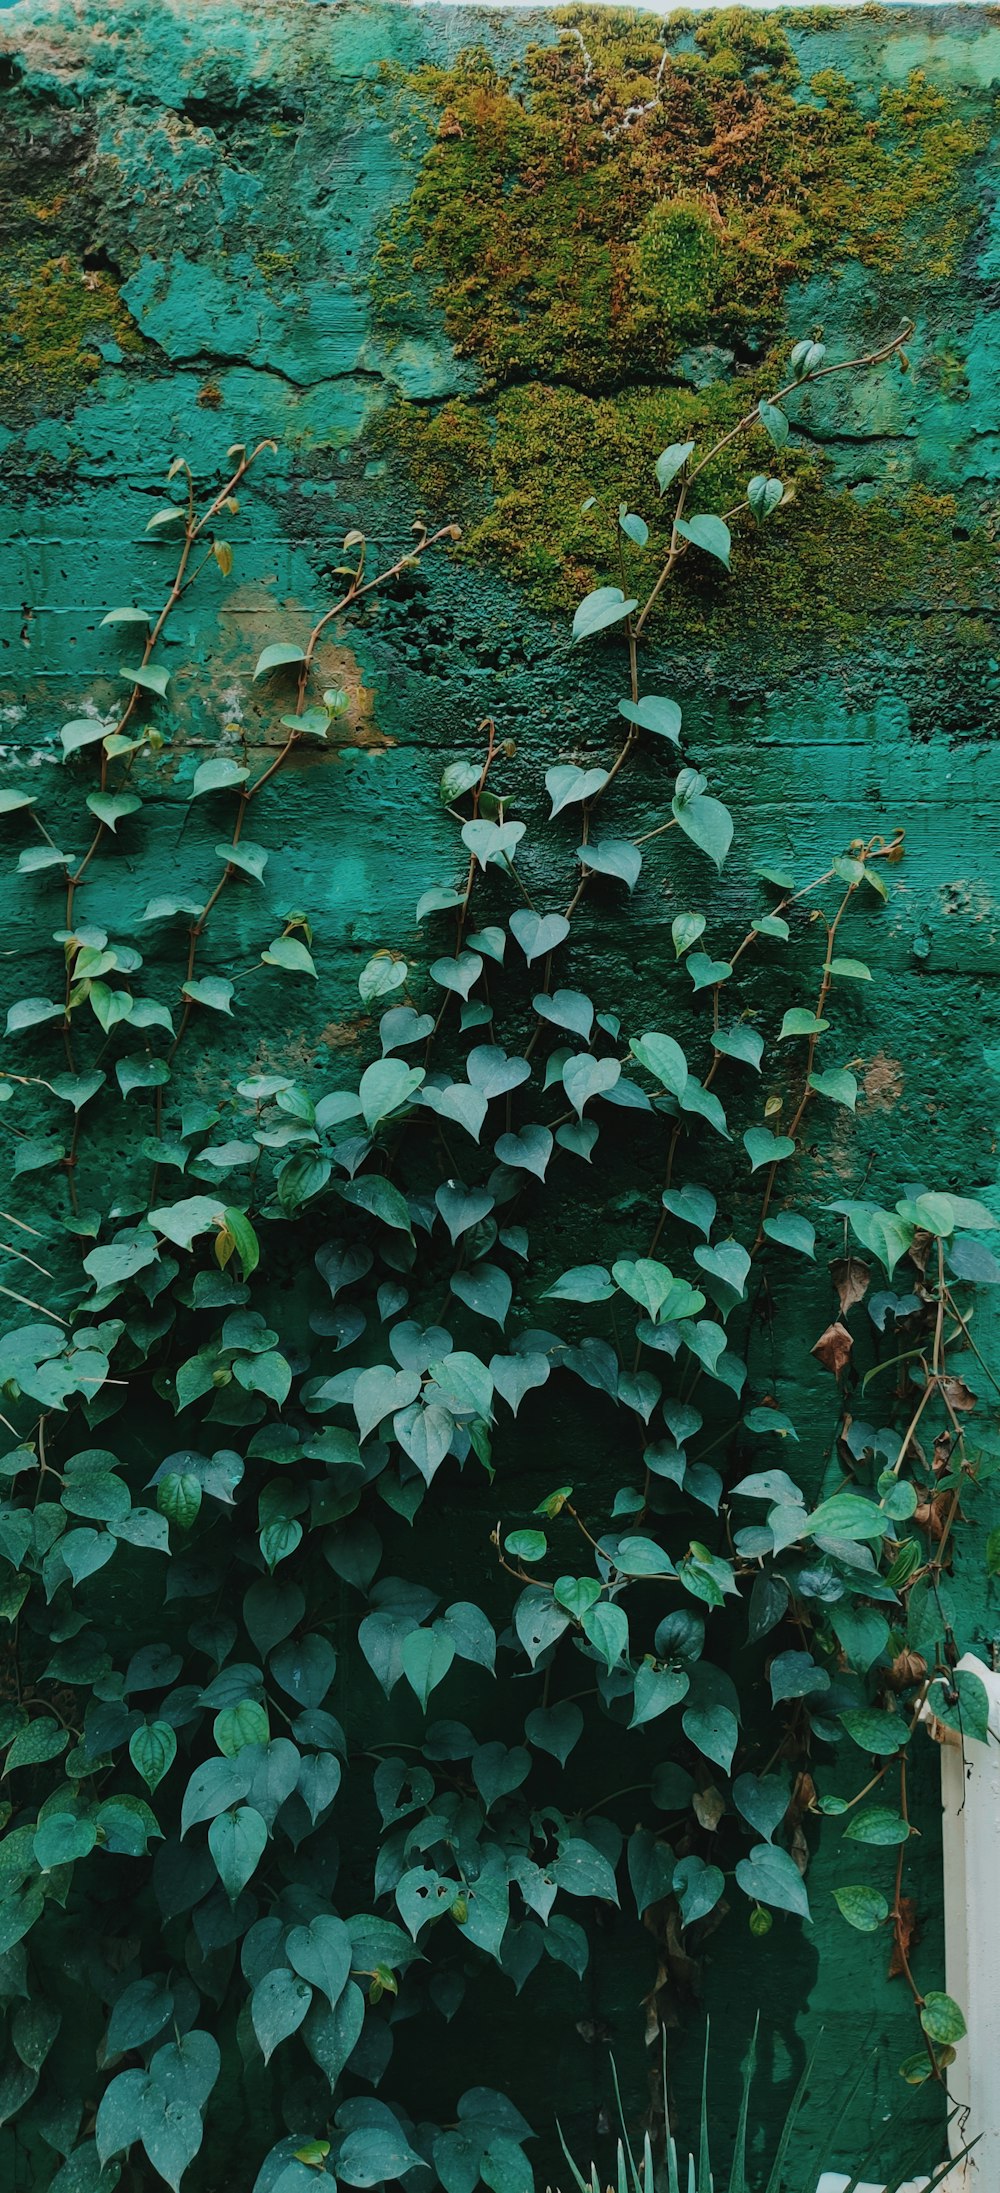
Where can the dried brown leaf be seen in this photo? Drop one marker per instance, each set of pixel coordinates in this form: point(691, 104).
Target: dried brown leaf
point(957, 1394)
point(905, 1927)
point(852, 1279)
point(833, 1348)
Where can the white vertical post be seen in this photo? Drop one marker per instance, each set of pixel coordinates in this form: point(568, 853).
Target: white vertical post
point(970, 1795)
point(970, 1790)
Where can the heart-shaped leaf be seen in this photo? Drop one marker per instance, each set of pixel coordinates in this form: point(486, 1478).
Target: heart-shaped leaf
point(612, 857)
point(538, 934)
point(277, 656)
point(492, 841)
point(585, 1077)
point(568, 1009)
point(654, 712)
point(528, 1151)
point(457, 974)
point(764, 1148)
point(567, 785)
point(606, 605)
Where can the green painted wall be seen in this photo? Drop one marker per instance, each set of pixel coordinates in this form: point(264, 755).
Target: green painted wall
point(282, 219)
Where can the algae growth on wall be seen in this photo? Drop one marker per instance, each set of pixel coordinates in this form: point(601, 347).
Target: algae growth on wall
point(483, 267)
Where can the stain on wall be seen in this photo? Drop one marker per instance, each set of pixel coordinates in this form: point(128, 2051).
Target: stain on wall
point(483, 266)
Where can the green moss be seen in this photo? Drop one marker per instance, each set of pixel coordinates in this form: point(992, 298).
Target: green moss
point(641, 187)
point(56, 313)
point(626, 214)
point(811, 569)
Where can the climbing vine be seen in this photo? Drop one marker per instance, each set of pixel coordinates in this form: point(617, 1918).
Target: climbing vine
point(346, 1288)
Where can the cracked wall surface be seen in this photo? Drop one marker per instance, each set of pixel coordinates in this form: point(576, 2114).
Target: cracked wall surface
point(455, 262)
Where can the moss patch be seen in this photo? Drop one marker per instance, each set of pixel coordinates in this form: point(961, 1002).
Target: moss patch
point(830, 568)
point(611, 231)
point(57, 315)
point(638, 187)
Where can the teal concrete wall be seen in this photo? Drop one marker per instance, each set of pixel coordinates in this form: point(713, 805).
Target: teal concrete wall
point(196, 203)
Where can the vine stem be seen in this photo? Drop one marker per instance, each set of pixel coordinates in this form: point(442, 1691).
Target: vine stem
point(248, 793)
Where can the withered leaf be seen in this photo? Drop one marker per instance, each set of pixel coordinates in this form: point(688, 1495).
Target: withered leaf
point(852, 1279)
point(833, 1348)
point(957, 1394)
point(708, 1806)
point(905, 1929)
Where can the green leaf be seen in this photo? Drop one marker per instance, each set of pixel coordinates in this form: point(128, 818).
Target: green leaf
point(774, 422)
point(168, 519)
point(278, 2005)
point(764, 495)
point(427, 1655)
point(863, 1908)
point(33, 1746)
point(606, 1627)
point(764, 1148)
point(875, 1731)
point(847, 1515)
point(855, 969)
point(458, 778)
point(567, 786)
point(709, 533)
point(178, 1497)
point(585, 1077)
point(526, 1545)
point(385, 1087)
point(239, 1725)
point(612, 857)
point(792, 1232)
point(381, 977)
point(698, 1888)
point(714, 1731)
point(654, 712)
point(669, 463)
point(770, 1876)
point(125, 616)
point(375, 2155)
point(291, 954)
point(584, 1283)
point(276, 657)
point(210, 990)
point(61, 1837)
point(685, 929)
point(707, 823)
point(10, 802)
point(799, 1021)
point(221, 774)
point(31, 1012)
point(251, 859)
point(83, 731)
point(237, 1841)
point(942, 2019)
point(606, 605)
point(182, 1222)
point(147, 675)
point(112, 807)
point(838, 1084)
point(877, 1825)
point(664, 1059)
point(152, 1751)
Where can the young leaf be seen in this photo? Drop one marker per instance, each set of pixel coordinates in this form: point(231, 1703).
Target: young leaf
point(606, 605)
point(220, 774)
point(654, 712)
point(276, 657)
point(147, 675)
point(709, 533)
point(669, 463)
point(774, 422)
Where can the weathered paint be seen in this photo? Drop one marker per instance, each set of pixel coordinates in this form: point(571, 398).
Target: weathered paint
point(200, 198)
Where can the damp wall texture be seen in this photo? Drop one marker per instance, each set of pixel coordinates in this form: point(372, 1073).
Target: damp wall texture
point(455, 263)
